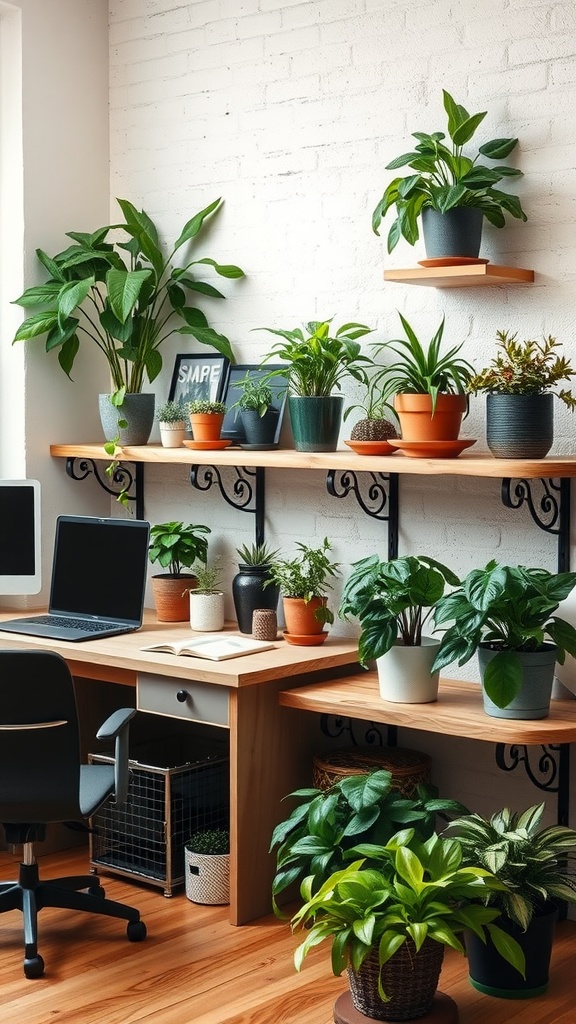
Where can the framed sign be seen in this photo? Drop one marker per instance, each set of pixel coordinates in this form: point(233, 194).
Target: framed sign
point(232, 427)
point(197, 376)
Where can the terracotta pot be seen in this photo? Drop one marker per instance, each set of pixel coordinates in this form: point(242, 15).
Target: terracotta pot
point(171, 596)
point(206, 426)
point(300, 618)
point(417, 422)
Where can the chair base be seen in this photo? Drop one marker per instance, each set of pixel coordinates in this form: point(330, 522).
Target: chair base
point(29, 895)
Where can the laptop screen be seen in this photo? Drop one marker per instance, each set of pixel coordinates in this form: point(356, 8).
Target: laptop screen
point(100, 567)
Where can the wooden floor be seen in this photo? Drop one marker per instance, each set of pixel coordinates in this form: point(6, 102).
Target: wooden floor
point(195, 968)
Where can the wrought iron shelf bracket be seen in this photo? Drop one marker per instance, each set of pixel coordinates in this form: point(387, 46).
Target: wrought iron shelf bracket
point(550, 512)
point(547, 767)
point(246, 493)
point(125, 479)
point(380, 502)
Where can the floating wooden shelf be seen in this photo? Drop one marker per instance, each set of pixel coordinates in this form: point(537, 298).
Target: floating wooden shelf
point(471, 275)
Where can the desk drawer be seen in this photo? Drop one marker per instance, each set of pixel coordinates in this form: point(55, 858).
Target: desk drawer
point(182, 698)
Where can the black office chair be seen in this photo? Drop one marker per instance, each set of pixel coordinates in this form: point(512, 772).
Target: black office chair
point(42, 781)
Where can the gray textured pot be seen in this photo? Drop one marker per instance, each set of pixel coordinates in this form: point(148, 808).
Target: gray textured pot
point(458, 232)
point(533, 701)
point(520, 426)
point(260, 429)
point(136, 409)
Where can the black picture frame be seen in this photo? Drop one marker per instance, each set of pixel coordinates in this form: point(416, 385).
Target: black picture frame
point(232, 428)
point(199, 376)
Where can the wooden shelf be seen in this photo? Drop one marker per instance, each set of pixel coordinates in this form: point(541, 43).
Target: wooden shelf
point(471, 275)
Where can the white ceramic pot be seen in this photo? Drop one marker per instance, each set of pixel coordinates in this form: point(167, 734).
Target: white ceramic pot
point(172, 434)
point(206, 611)
point(404, 673)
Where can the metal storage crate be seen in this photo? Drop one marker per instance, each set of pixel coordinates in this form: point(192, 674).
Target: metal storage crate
point(168, 799)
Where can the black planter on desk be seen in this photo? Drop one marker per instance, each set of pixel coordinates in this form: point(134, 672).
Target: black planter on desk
point(249, 593)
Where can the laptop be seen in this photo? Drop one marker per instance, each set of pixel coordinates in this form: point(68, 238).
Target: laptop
point(98, 580)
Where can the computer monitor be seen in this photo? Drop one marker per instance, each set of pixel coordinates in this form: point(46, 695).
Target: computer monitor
point(20, 530)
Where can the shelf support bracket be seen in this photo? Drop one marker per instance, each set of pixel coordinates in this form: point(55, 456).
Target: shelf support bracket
point(246, 494)
point(551, 773)
point(124, 479)
point(551, 512)
point(381, 501)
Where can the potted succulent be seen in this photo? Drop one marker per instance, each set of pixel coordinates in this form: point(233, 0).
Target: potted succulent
point(389, 924)
point(121, 296)
point(450, 191)
point(257, 411)
point(506, 614)
point(206, 419)
point(249, 591)
point(319, 359)
point(207, 857)
point(175, 547)
point(392, 601)
point(371, 433)
point(536, 866)
point(303, 582)
point(520, 384)
point(429, 387)
point(207, 600)
point(172, 418)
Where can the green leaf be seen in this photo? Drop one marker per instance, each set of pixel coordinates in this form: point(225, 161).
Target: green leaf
point(464, 132)
point(123, 290)
point(35, 325)
point(73, 295)
point(498, 149)
point(508, 948)
point(503, 678)
point(39, 295)
point(194, 225)
point(228, 270)
point(208, 336)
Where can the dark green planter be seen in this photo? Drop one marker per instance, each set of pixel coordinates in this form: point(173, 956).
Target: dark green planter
point(533, 701)
point(136, 409)
point(520, 426)
point(315, 422)
point(458, 232)
point(492, 975)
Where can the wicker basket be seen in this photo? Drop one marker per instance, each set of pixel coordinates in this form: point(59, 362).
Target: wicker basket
point(409, 768)
point(208, 877)
point(409, 978)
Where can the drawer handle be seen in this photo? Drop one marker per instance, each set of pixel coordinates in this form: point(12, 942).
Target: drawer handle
point(182, 696)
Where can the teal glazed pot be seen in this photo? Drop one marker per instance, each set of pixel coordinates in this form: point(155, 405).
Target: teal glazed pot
point(520, 426)
point(458, 232)
point(136, 409)
point(315, 422)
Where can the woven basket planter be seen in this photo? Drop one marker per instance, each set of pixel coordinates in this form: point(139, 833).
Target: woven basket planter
point(409, 768)
point(207, 877)
point(409, 978)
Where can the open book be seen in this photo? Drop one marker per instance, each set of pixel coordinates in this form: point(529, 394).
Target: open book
point(215, 646)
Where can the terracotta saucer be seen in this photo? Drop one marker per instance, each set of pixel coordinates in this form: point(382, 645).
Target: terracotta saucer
point(370, 447)
point(207, 446)
point(306, 639)
point(432, 449)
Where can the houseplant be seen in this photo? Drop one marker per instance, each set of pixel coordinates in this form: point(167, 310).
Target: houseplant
point(248, 585)
point(452, 192)
point(207, 857)
point(389, 924)
point(392, 600)
point(319, 359)
point(207, 600)
point(303, 582)
point(429, 386)
point(506, 614)
point(537, 867)
point(172, 418)
point(206, 419)
point(256, 409)
point(520, 384)
point(121, 296)
point(175, 547)
point(378, 423)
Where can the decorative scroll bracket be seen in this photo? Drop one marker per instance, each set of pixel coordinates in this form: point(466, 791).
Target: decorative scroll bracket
point(551, 513)
point(247, 493)
point(551, 774)
point(124, 478)
point(380, 503)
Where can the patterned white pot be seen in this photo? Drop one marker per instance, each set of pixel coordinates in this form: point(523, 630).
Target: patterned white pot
point(206, 611)
point(172, 434)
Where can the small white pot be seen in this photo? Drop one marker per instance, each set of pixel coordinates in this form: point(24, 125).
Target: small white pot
point(404, 673)
point(206, 611)
point(172, 434)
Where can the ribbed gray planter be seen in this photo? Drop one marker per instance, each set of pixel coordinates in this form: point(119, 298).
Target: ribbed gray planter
point(520, 426)
point(458, 232)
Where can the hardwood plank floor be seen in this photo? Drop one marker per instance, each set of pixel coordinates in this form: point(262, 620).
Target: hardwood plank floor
point(195, 968)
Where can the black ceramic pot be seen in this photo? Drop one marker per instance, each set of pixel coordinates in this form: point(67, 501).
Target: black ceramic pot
point(249, 593)
point(491, 974)
point(520, 426)
point(260, 430)
point(458, 232)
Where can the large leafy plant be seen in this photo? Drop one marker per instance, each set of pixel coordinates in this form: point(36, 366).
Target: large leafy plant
point(418, 891)
point(392, 600)
point(176, 546)
point(443, 177)
point(525, 368)
point(307, 575)
point(121, 295)
point(511, 609)
point(535, 864)
point(326, 828)
point(319, 362)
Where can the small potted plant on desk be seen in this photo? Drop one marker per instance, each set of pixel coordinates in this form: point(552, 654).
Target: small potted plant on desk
point(175, 547)
point(392, 601)
point(207, 856)
point(206, 419)
point(207, 600)
point(172, 417)
point(303, 582)
point(251, 588)
point(536, 866)
point(506, 614)
point(450, 191)
point(520, 385)
point(256, 410)
point(318, 362)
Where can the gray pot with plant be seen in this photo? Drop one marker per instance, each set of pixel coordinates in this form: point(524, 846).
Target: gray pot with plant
point(172, 419)
point(257, 411)
point(520, 384)
point(536, 868)
point(392, 601)
point(509, 612)
point(175, 547)
point(451, 191)
point(304, 581)
point(317, 366)
point(207, 867)
point(251, 586)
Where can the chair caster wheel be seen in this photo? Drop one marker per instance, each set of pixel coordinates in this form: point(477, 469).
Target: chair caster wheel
point(136, 931)
point(34, 967)
point(97, 890)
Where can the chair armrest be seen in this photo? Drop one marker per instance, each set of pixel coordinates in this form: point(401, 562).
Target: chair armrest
point(117, 727)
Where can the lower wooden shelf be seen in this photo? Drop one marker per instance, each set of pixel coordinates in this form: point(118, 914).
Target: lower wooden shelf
point(467, 276)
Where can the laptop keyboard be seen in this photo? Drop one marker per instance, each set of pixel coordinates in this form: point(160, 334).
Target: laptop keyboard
point(63, 620)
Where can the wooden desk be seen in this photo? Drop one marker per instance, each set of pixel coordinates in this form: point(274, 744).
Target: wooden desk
point(270, 752)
